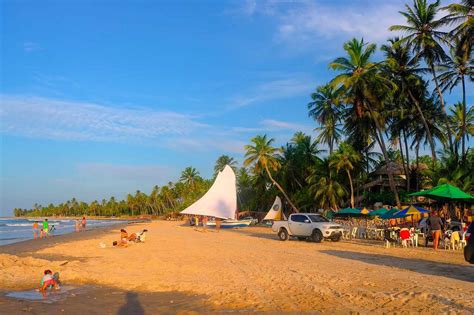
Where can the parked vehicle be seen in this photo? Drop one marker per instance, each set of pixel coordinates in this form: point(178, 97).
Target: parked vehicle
point(469, 249)
point(308, 226)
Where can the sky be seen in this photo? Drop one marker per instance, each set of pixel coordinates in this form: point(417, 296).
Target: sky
point(103, 98)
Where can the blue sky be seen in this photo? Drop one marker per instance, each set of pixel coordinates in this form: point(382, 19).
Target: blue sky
point(101, 98)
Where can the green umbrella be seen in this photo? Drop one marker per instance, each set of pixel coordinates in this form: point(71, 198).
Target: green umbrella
point(445, 192)
point(378, 212)
point(349, 211)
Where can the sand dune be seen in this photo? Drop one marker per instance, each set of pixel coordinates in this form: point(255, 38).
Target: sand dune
point(250, 269)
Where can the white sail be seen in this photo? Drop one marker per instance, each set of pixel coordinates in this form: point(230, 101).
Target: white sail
point(276, 211)
point(220, 201)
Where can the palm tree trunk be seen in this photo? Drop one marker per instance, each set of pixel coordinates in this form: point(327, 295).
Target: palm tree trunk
point(427, 128)
point(463, 119)
point(405, 168)
point(352, 188)
point(281, 189)
point(417, 166)
point(408, 158)
point(331, 145)
point(379, 137)
point(443, 108)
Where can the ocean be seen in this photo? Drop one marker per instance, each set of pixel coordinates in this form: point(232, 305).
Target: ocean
point(13, 230)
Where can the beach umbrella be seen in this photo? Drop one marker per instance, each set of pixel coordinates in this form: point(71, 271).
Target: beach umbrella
point(349, 211)
point(364, 211)
point(411, 211)
point(378, 212)
point(392, 214)
point(445, 192)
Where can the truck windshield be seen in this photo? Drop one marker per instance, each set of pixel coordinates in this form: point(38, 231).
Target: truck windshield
point(317, 218)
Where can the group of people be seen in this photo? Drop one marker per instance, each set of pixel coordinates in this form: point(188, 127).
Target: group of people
point(125, 239)
point(43, 231)
point(202, 220)
point(81, 224)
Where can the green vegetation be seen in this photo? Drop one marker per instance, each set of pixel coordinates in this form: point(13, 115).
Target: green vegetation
point(396, 105)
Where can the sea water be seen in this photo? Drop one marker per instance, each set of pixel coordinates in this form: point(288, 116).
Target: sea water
point(13, 230)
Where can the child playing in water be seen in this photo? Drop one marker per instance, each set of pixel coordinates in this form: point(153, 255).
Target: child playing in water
point(49, 280)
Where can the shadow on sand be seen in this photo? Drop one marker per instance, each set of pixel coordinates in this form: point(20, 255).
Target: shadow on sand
point(132, 305)
point(457, 272)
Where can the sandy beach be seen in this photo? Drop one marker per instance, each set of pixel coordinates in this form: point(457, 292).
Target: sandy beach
point(240, 270)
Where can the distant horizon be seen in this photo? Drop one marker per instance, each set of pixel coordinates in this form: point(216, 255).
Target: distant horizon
point(100, 101)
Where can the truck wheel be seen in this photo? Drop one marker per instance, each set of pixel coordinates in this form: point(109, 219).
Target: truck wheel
point(317, 236)
point(283, 235)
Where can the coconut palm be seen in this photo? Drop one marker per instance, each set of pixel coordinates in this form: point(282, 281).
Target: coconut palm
point(403, 69)
point(325, 109)
point(324, 186)
point(344, 159)
point(456, 69)
point(462, 15)
point(425, 37)
point(462, 121)
point(189, 177)
point(363, 87)
point(222, 161)
point(263, 156)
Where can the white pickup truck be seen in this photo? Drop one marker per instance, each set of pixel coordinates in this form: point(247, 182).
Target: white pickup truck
point(308, 226)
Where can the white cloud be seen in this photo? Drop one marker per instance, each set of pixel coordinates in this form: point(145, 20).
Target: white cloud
point(67, 120)
point(310, 23)
point(30, 46)
point(275, 89)
point(273, 125)
point(124, 172)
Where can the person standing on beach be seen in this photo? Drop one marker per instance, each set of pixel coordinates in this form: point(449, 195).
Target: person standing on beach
point(436, 225)
point(218, 224)
point(35, 229)
point(84, 223)
point(204, 224)
point(45, 230)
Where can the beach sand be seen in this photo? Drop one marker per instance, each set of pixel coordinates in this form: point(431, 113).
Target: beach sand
point(246, 270)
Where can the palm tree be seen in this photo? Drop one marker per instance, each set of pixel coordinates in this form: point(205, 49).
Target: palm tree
point(324, 186)
point(325, 109)
point(344, 159)
point(363, 86)
point(457, 67)
point(462, 121)
point(189, 177)
point(265, 157)
point(425, 38)
point(222, 161)
point(462, 15)
point(402, 68)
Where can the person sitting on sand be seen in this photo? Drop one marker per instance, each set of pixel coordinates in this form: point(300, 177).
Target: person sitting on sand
point(123, 238)
point(132, 237)
point(141, 236)
point(49, 280)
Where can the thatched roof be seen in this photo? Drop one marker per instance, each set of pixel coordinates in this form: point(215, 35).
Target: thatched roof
point(395, 169)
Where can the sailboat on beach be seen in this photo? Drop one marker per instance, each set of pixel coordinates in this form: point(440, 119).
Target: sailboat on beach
point(220, 201)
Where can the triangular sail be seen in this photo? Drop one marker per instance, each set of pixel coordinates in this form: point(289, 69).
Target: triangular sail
point(276, 211)
point(220, 201)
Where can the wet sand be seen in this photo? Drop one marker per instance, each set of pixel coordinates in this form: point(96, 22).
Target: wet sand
point(247, 269)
